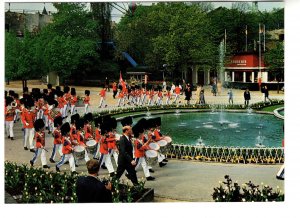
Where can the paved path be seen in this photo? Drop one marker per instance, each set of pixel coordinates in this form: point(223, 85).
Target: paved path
point(179, 180)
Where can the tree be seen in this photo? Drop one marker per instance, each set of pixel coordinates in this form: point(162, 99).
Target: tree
point(274, 58)
point(69, 42)
point(175, 34)
point(11, 52)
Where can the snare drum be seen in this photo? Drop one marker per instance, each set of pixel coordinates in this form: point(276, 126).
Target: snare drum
point(163, 146)
point(162, 143)
point(154, 146)
point(79, 152)
point(168, 139)
point(151, 157)
point(91, 146)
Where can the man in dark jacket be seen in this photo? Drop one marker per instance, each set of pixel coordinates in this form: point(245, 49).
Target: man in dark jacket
point(90, 189)
point(247, 97)
point(125, 159)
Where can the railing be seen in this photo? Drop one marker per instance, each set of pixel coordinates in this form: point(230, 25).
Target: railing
point(225, 154)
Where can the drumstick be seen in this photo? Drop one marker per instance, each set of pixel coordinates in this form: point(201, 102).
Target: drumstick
point(45, 149)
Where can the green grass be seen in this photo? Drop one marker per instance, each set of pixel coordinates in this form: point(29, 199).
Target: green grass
point(272, 108)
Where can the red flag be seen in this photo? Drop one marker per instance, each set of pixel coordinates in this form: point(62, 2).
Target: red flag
point(120, 80)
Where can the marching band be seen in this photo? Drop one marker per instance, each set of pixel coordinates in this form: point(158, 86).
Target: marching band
point(76, 138)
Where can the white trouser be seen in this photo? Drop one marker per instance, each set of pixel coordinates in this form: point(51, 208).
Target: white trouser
point(142, 161)
point(72, 109)
point(168, 101)
point(51, 125)
point(176, 98)
point(97, 150)
point(150, 102)
point(102, 101)
point(121, 101)
point(160, 157)
point(159, 101)
point(38, 152)
point(29, 134)
point(143, 99)
point(64, 114)
point(105, 158)
point(9, 125)
point(46, 121)
point(86, 108)
point(113, 153)
point(61, 110)
point(138, 99)
point(56, 147)
point(40, 114)
point(65, 158)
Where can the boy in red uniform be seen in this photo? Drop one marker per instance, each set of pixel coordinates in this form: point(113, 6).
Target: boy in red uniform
point(28, 117)
point(111, 140)
point(102, 94)
point(139, 150)
point(168, 95)
point(159, 97)
point(86, 101)
point(115, 89)
point(98, 136)
point(57, 143)
point(9, 117)
point(67, 149)
point(40, 143)
point(105, 157)
point(177, 93)
point(73, 100)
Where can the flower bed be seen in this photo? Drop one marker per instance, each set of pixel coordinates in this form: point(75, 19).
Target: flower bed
point(248, 193)
point(34, 185)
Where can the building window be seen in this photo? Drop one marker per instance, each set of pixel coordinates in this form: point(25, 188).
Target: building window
point(238, 76)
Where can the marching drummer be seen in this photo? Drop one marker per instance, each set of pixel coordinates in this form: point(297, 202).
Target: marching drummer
point(40, 143)
point(80, 138)
point(139, 150)
point(86, 101)
point(88, 134)
point(57, 146)
point(111, 140)
point(154, 123)
point(98, 136)
point(67, 149)
point(105, 157)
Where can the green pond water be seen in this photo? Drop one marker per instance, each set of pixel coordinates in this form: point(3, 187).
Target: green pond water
point(221, 129)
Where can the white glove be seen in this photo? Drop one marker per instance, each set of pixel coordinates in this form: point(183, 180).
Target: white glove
point(27, 124)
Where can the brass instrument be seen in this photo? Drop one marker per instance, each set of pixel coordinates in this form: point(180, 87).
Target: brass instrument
point(53, 113)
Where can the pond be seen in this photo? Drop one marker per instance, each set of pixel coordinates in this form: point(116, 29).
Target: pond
point(221, 129)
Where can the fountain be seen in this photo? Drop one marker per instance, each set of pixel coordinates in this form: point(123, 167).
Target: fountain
point(259, 140)
point(200, 142)
point(177, 112)
point(213, 108)
point(148, 115)
point(249, 110)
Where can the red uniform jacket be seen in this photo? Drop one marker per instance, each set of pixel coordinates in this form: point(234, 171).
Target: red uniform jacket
point(158, 135)
point(102, 93)
point(139, 148)
point(98, 135)
point(39, 140)
point(86, 100)
point(73, 100)
point(57, 136)
point(9, 114)
point(28, 117)
point(111, 141)
point(103, 146)
point(67, 146)
point(88, 131)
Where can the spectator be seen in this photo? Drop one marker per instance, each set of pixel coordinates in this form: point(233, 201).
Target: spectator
point(230, 96)
point(90, 189)
point(247, 97)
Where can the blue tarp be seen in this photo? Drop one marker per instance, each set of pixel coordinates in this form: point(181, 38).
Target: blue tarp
point(130, 59)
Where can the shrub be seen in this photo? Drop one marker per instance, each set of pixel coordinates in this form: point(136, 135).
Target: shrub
point(249, 192)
